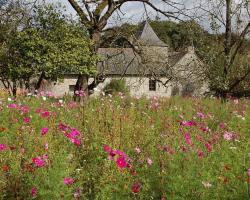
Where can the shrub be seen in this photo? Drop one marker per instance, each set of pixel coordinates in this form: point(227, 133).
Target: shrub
point(116, 86)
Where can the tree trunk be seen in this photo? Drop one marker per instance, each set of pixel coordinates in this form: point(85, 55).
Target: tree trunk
point(14, 88)
point(82, 80)
point(38, 84)
point(81, 85)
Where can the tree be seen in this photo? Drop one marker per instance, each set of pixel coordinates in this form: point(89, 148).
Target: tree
point(48, 47)
point(228, 60)
point(94, 15)
point(13, 16)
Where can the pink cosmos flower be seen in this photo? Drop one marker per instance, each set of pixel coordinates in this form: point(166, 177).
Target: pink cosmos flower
point(12, 105)
point(137, 150)
point(34, 192)
point(228, 135)
point(73, 134)
point(76, 141)
point(26, 120)
point(63, 127)
point(201, 115)
point(46, 146)
point(45, 157)
point(77, 193)
point(44, 130)
point(68, 181)
point(38, 162)
point(3, 147)
point(120, 153)
point(188, 139)
point(248, 172)
point(188, 123)
point(222, 125)
point(45, 114)
point(107, 148)
point(200, 154)
point(208, 147)
point(149, 161)
point(24, 109)
point(121, 162)
point(136, 187)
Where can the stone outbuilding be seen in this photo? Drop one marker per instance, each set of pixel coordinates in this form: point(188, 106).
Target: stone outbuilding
point(148, 68)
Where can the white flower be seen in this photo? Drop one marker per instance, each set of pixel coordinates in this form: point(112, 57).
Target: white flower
point(233, 148)
point(9, 99)
point(96, 89)
point(206, 184)
point(44, 98)
point(61, 101)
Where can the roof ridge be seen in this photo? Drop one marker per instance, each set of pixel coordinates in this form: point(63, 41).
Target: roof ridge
point(147, 36)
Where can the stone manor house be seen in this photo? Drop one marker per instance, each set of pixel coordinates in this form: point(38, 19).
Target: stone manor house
point(148, 68)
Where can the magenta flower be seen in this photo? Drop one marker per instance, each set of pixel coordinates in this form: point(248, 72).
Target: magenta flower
point(107, 148)
point(121, 162)
point(68, 181)
point(73, 134)
point(34, 192)
point(63, 127)
point(26, 120)
point(3, 147)
point(120, 153)
point(45, 114)
point(38, 162)
point(44, 130)
point(188, 139)
point(188, 123)
point(228, 135)
point(248, 172)
point(76, 141)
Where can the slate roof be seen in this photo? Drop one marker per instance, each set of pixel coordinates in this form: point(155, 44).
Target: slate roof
point(125, 61)
point(118, 61)
point(147, 37)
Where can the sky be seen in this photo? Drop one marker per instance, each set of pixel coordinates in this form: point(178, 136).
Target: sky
point(131, 12)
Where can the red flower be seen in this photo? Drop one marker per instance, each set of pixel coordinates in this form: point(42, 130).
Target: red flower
point(136, 187)
point(5, 168)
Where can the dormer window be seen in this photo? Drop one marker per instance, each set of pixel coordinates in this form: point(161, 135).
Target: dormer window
point(152, 85)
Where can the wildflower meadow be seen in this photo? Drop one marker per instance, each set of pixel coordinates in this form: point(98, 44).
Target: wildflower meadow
point(119, 147)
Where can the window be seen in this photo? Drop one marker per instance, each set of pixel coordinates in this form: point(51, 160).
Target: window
point(152, 85)
point(71, 88)
point(188, 89)
point(175, 91)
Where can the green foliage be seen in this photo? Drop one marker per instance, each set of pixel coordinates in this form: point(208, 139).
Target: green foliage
point(116, 86)
point(52, 44)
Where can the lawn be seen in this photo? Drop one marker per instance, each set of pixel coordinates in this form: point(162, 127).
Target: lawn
point(124, 148)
